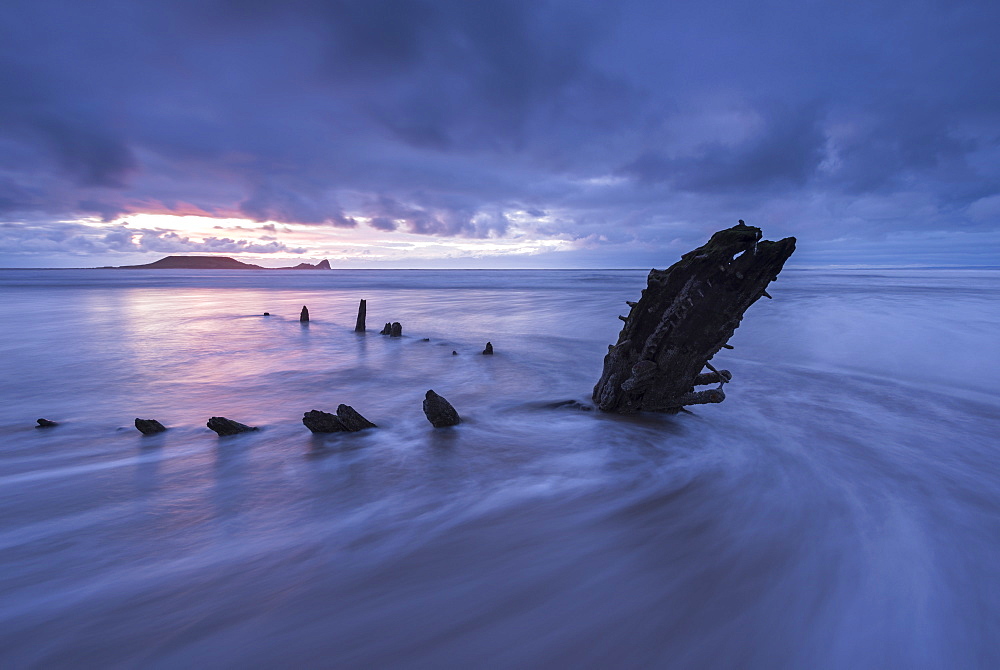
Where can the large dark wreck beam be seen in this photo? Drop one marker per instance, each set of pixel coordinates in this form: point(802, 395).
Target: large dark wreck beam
point(685, 315)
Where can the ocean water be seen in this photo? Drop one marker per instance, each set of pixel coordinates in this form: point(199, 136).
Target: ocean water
point(840, 510)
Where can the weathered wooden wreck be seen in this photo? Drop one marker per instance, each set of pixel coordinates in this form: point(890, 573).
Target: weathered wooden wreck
point(686, 314)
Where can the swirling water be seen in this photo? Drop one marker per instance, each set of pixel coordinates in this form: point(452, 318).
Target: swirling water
point(840, 510)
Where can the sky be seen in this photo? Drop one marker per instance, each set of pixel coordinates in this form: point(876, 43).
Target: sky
point(450, 133)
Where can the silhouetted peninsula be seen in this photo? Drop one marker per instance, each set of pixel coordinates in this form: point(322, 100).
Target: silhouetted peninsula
point(213, 263)
point(322, 265)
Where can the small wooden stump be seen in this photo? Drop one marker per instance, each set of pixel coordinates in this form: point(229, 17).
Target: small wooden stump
point(439, 411)
point(149, 426)
point(223, 426)
point(359, 326)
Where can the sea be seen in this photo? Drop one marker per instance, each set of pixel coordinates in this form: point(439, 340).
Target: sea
point(841, 509)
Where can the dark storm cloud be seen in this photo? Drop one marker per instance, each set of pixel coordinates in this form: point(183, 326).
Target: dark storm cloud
point(273, 204)
point(88, 154)
point(634, 122)
point(786, 152)
point(390, 214)
point(900, 143)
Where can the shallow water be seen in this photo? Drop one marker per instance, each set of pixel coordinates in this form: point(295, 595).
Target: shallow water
point(840, 509)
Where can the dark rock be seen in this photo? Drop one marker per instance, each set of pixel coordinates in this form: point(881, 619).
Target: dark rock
point(149, 426)
point(352, 420)
point(488, 351)
point(359, 326)
point(45, 423)
point(267, 314)
point(454, 353)
point(224, 426)
point(396, 330)
point(323, 422)
point(685, 316)
point(439, 411)
point(304, 314)
point(425, 339)
point(387, 329)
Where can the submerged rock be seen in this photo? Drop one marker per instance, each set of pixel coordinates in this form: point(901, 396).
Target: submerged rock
point(45, 423)
point(149, 426)
point(224, 426)
point(439, 411)
point(387, 329)
point(488, 351)
point(304, 314)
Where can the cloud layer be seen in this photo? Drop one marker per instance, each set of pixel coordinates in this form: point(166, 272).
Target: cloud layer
point(622, 125)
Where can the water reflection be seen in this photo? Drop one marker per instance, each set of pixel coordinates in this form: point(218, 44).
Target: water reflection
point(827, 515)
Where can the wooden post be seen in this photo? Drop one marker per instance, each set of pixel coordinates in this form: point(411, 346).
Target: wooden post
point(360, 326)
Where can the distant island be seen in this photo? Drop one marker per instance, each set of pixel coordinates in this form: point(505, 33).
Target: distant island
point(211, 263)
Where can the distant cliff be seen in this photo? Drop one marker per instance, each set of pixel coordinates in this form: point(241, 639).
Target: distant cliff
point(322, 265)
point(213, 263)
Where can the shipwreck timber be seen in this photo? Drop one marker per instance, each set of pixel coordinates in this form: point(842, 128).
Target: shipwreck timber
point(686, 314)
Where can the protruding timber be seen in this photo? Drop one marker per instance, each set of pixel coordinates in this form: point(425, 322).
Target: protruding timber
point(439, 411)
point(223, 426)
point(394, 329)
point(719, 377)
point(352, 419)
point(685, 315)
point(488, 351)
point(304, 314)
point(149, 426)
point(322, 422)
point(359, 327)
point(347, 420)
